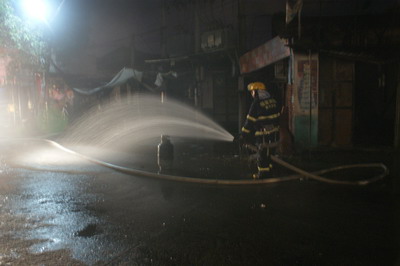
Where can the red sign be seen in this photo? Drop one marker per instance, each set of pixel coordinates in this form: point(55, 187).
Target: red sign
point(264, 55)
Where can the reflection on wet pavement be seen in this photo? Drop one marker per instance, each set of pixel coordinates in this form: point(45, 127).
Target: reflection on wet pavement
point(106, 217)
point(63, 208)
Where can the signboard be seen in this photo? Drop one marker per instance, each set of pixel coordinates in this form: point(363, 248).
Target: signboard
point(264, 55)
point(305, 99)
point(306, 83)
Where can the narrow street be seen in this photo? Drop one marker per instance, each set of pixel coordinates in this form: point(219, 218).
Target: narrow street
point(194, 132)
point(84, 214)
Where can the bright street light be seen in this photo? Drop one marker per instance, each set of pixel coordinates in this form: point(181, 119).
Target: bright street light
point(37, 9)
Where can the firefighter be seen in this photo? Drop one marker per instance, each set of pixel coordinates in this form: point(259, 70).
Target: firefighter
point(262, 127)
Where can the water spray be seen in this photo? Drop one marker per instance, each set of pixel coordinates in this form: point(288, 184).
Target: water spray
point(149, 119)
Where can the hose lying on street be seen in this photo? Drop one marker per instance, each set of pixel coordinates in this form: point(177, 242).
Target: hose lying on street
point(300, 172)
point(317, 176)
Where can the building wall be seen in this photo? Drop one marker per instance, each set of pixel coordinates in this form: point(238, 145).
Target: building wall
point(225, 100)
point(336, 102)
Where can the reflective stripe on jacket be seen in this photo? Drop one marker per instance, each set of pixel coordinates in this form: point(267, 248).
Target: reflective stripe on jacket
point(263, 117)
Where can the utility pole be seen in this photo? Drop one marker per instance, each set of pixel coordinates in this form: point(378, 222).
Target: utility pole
point(196, 27)
point(397, 119)
point(133, 51)
point(241, 48)
point(396, 181)
point(165, 149)
point(198, 69)
point(163, 29)
point(241, 26)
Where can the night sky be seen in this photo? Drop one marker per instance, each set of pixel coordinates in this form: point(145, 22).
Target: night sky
point(103, 25)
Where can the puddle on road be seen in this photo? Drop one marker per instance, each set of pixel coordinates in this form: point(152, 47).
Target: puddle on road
point(89, 231)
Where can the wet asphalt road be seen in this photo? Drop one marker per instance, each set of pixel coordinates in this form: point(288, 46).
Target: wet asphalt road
point(90, 215)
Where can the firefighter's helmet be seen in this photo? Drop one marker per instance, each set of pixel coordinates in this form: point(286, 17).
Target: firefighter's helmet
point(256, 86)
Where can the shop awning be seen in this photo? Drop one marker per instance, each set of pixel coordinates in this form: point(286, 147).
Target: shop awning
point(264, 55)
point(122, 77)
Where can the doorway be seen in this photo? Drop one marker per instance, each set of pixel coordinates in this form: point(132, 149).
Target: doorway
point(374, 107)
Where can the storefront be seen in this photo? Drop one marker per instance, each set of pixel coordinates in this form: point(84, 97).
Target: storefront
point(332, 99)
point(293, 79)
point(267, 63)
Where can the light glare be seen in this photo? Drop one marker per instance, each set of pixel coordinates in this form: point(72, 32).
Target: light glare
point(36, 9)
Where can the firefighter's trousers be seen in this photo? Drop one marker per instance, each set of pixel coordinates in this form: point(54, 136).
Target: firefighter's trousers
point(266, 145)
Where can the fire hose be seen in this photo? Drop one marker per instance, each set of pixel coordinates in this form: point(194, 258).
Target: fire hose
point(300, 172)
point(316, 175)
